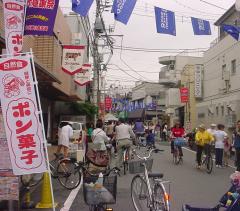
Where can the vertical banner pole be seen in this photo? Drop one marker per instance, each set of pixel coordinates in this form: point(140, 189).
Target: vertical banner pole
point(43, 129)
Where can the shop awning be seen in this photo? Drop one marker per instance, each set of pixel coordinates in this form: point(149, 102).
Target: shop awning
point(136, 114)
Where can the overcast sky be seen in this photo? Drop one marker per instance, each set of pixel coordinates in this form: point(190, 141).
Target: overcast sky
point(141, 33)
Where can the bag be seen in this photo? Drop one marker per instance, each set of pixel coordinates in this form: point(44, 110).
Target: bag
point(98, 158)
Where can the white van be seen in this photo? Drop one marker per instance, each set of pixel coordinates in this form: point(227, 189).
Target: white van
point(77, 128)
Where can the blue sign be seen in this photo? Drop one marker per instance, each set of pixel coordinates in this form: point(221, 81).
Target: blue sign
point(201, 27)
point(122, 10)
point(165, 21)
point(81, 6)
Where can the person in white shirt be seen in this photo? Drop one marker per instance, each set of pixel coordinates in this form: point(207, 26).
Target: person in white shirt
point(212, 129)
point(65, 133)
point(123, 133)
point(220, 136)
point(99, 137)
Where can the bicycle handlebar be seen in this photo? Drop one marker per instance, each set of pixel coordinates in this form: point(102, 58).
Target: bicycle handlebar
point(149, 154)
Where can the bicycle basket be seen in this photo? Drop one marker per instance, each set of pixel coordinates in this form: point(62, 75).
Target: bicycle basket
point(187, 207)
point(179, 142)
point(96, 195)
point(136, 167)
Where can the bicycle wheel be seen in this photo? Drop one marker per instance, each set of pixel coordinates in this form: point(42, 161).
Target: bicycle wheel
point(209, 164)
point(30, 180)
point(69, 175)
point(175, 156)
point(139, 193)
point(53, 168)
point(160, 198)
point(96, 208)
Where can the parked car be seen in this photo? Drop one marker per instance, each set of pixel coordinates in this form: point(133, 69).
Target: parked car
point(77, 128)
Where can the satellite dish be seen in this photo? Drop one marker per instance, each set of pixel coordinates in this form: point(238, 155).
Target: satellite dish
point(237, 5)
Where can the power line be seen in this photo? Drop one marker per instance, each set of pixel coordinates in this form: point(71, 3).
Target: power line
point(214, 5)
point(130, 70)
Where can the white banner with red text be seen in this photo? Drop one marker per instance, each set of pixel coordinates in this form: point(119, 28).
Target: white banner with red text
point(72, 59)
point(21, 116)
point(14, 13)
point(82, 78)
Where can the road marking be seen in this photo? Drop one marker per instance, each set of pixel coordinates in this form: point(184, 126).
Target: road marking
point(71, 197)
point(213, 158)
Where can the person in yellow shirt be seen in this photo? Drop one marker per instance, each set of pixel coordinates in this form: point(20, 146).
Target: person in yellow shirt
point(202, 139)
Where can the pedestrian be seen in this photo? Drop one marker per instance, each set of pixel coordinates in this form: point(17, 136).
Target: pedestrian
point(236, 144)
point(226, 152)
point(157, 131)
point(164, 132)
point(109, 129)
point(220, 136)
point(65, 133)
point(202, 139)
point(212, 129)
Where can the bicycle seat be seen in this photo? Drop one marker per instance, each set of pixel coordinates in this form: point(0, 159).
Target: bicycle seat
point(155, 175)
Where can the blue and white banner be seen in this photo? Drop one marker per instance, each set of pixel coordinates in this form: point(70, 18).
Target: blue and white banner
point(165, 21)
point(200, 27)
point(231, 30)
point(122, 10)
point(81, 6)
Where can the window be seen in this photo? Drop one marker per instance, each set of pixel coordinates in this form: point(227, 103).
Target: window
point(222, 108)
point(224, 68)
point(233, 66)
point(217, 111)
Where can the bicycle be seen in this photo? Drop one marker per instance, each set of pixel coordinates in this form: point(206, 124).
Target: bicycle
point(70, 172)
point(32, 180)
point(207, 160)
point(177, 157)
point(147, 190)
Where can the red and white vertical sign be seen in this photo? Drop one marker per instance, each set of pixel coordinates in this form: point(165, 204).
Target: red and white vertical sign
point(184, 94)
point(14, 12)
point(21, 118)
point(82, 78)
point(108, 103)
point(72, 59)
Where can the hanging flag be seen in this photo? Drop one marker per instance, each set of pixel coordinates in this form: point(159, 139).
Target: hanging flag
point(231, 30)
point(165, 21)
point(82, 78)
point(123, 9)
point(13, 21)
point(72, 59)
point(81, 6)
point(40, 17)
point(184, 94)
point(200, 27)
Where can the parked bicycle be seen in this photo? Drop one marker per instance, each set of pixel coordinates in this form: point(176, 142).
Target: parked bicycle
point(70, 172)
point(147, 189)
point(31, 180)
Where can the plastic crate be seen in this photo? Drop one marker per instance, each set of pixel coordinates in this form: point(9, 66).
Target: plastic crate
point(136, 167)
point(100, 195)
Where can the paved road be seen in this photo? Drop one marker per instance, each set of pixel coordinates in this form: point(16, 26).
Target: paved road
point(187, 184)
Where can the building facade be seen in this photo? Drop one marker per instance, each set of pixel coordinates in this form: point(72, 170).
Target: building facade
point(54, 84)
point(221, 87)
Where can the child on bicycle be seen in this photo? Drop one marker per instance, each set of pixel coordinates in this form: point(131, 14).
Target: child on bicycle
point(150, 138)
point(203, 139)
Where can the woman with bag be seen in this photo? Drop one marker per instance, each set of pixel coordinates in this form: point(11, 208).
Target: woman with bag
point(97, 152)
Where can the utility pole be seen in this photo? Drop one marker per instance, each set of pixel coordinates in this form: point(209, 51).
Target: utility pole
point(95, 64)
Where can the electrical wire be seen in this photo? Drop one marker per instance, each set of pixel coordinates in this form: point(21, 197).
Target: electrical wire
point(214, 5)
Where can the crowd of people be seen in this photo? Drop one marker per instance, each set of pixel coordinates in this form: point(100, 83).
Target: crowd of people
point(121, 133)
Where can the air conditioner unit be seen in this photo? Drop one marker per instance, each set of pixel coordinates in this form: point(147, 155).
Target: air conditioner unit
point(231, 120)
point(226, 75)
point(171, 67)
